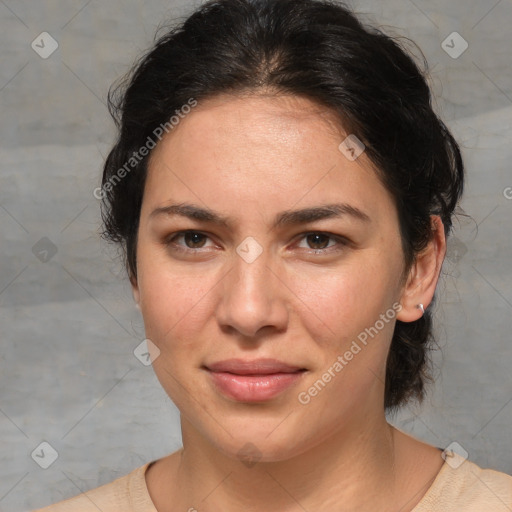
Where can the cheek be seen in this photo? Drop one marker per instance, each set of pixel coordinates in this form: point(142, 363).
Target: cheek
point(173, 307)
point(173, 303)
point(343, 301)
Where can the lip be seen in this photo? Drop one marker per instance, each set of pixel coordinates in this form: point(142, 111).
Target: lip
point(263, 366)
point(253, 381)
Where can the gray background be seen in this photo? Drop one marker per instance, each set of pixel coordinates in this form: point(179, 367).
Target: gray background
point(68, 374)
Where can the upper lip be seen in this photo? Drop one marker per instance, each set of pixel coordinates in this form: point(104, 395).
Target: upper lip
point(262, 366)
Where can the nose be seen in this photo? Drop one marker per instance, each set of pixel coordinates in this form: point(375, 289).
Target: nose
point(253, 298)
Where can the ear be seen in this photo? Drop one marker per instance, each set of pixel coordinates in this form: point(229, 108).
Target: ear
point(424, 274)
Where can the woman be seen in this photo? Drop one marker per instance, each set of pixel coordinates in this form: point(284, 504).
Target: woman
point(283, 191)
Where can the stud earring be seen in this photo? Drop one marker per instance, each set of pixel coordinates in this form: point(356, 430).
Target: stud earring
point(420, 306)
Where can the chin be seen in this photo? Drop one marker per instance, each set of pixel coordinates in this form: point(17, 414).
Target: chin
point(250, 451)
point(257, 444)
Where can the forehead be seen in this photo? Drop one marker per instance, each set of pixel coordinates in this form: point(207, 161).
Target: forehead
point(260, 116)
point(278, 123)
point(280, 150)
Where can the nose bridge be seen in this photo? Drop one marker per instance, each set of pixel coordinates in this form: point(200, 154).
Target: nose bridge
point(252, 274)
point(250, 299)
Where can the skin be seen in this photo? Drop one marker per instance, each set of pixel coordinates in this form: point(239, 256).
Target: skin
point(249, 158)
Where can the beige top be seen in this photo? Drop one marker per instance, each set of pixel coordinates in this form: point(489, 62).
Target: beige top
point(460, 486)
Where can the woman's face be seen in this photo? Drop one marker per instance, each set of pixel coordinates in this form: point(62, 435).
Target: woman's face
point(278, 265)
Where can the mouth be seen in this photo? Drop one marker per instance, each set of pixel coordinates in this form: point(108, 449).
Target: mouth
point(253, 381)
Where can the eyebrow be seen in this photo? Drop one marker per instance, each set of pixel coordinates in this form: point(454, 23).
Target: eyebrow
point(285, 218)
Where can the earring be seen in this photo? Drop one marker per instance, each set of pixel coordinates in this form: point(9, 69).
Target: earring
point(420, 306)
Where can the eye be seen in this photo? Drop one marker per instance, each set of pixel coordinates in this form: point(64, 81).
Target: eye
point(318, 242)
point(192, 240)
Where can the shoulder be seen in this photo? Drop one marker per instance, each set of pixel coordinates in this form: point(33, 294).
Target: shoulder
point(126, 494)
point(461, 485)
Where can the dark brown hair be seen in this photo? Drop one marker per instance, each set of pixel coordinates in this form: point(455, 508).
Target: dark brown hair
point(316, 49)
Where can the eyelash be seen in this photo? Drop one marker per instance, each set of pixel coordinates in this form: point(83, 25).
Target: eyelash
point(170, 241)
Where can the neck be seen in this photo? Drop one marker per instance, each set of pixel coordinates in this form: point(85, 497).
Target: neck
point(352, 469)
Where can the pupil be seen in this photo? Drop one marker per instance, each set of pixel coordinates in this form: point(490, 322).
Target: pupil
point(193, 238)
point(315, 238)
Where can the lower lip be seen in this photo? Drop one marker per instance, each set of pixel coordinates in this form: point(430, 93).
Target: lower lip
point(254, 388)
